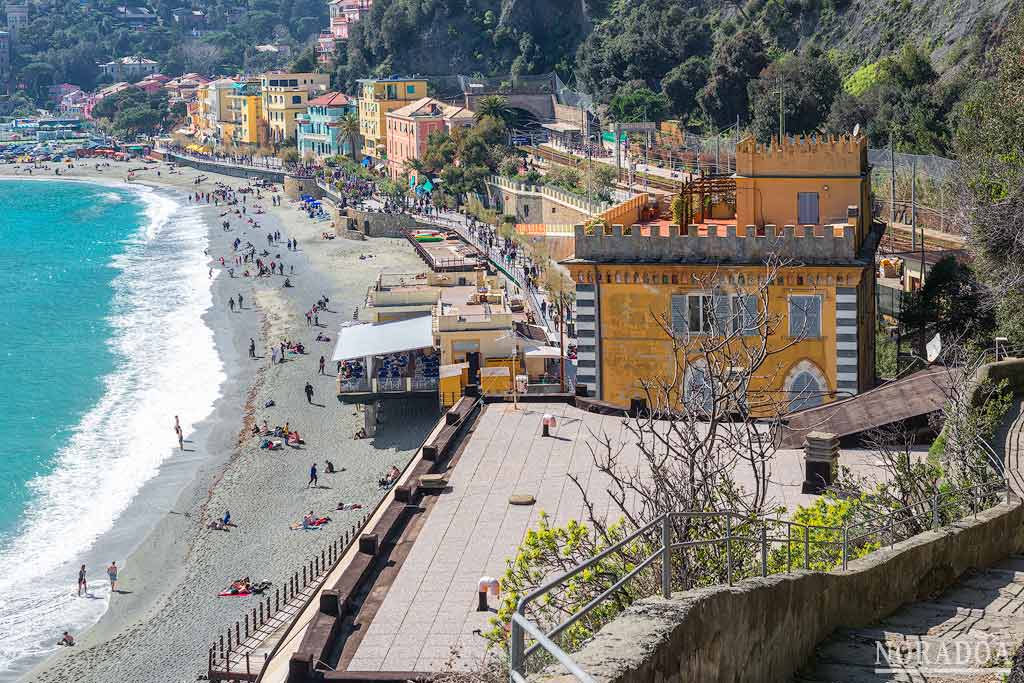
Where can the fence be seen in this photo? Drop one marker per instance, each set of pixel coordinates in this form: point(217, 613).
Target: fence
point(235, 658)
point(740, 542)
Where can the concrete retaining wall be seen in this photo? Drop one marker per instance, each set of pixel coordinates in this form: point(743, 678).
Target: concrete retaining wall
point(295, 187)
point(762, 630)
point(380, 224)
point(226, 169)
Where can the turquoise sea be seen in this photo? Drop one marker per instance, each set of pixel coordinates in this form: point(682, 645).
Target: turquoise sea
point(103, 342)
point(55, 268)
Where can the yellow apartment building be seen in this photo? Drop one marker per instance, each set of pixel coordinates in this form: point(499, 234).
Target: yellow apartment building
point(377, 97)
point(285, 97)
point(245, 105)
point(802, 205)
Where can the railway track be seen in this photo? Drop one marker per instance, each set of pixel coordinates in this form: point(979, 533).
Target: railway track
point(654, 182)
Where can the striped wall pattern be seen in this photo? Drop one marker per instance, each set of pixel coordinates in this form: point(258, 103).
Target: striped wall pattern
point(587, 338)
point(846, 340)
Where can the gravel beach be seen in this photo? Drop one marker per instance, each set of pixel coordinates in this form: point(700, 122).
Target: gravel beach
point(159, 628)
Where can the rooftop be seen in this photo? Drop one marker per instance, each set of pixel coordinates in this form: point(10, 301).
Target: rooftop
point(430, 107)
point(389, 79)
point(425, 604)
point(331, 99)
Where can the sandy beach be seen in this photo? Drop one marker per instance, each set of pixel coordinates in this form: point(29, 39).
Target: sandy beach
point(161, 624)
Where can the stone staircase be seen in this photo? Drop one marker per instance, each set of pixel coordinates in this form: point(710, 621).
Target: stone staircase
point(968, 634)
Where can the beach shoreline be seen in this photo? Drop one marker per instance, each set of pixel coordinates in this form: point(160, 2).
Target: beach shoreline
point(177, 564)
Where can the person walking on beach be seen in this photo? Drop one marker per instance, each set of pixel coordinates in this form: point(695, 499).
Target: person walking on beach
point(309, 392)
point(112, 575)
point(231, 304)
point(82, 585)
point(312, 477)
point(240, 300)
point(273, 355)
point(252, 347)
point(323, 362)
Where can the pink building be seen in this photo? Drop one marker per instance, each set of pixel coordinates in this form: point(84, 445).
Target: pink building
point(409, 127)
point(344, 13)
point(97, 96)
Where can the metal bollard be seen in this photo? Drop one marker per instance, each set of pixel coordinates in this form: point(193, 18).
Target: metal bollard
point(246, 625)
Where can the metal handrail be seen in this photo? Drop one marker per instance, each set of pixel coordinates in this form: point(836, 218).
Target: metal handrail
point(886, 523)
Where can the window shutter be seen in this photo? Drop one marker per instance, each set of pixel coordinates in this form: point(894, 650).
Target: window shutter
point(807, 208)
point(746, 314)
point(679, 314)
point(723, 315)
point(813, 316)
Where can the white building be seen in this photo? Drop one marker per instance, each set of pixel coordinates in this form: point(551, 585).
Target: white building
point(129, 68)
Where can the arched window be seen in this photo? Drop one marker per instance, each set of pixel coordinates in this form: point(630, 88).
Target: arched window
point(805, 386)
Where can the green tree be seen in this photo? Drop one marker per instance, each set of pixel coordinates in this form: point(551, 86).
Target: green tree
point(809, 82)
point(305, 62)
point(682, 84)
point(949, 304)
point(734, 63)
point(37, 77)
point(494, 107)
point(990, 147)
point(640, 104)
point(903, 99)
point(348, 128)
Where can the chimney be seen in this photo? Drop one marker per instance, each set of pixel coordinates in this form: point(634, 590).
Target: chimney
point(821, 457)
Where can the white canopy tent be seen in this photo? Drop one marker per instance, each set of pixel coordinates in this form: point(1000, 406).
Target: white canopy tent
point(362, 341)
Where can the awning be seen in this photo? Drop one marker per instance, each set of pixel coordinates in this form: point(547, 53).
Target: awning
point(561, 127)
point(361, 341)
point(541, 352)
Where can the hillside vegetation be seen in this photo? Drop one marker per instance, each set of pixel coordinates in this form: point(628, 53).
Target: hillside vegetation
point(897, 67)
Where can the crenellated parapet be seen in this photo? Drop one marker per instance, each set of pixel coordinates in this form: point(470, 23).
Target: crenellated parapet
point(716, 243)
point(802, 156)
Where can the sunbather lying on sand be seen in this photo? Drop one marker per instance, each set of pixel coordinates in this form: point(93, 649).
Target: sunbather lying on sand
point(310, 522)
point(350, 506)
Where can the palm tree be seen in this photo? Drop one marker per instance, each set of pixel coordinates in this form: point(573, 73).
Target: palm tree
point(348, 126)
point(496, 107)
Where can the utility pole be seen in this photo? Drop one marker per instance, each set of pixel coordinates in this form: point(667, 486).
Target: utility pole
point(736, 144)
point(782, 112)
point(892, 190)
point(913, 210)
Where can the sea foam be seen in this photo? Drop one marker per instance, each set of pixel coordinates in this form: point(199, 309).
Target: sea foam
point(166, 365)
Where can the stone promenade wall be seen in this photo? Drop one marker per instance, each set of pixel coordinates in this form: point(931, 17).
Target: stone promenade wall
point(762, 630)
point(226, 169)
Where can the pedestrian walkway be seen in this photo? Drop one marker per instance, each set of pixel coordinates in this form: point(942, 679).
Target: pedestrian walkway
point(967, 634)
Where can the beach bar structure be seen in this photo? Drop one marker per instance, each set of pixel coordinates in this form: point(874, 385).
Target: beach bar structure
point(386, 361)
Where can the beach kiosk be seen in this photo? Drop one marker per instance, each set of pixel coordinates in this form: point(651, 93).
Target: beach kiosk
point(386, 361)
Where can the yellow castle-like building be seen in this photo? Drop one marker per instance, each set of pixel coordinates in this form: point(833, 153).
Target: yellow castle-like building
point(801, 204)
